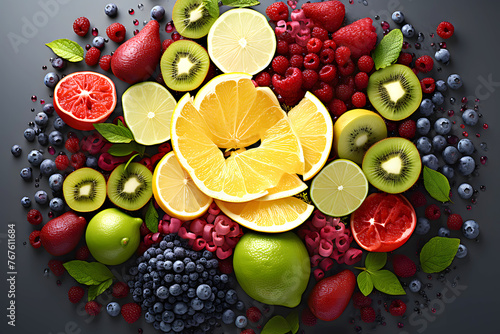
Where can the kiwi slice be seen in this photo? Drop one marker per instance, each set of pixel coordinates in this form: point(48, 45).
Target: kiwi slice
point(193, 18)
point(130, 187)
point(395, 92)
point(392, 165)
point(84, 190)
point(184, 65)
point(355, 131)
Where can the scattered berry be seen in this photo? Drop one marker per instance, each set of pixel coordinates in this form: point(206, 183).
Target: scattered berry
point(75, 294)
point(397, 308)
point(360, 300)
point(56, 266)
point(454, 222)
point(98, 42)
point(461, 252)
point(105, 62)
point(368, 314)
point(327, 73)
point(157, 13)
point(423, 226)
point(361, 80)
point(120, 290)
point(443, 232)
point(77, 160)
point(81, 26)
point(418, 199)
point(277, 11)
point(72, 144)
point(92, 56)
point(34, 217)
point(365, 64)
point(165, 44)
point(403, 266)
point(465, 191)
point(407, 129)
point(34, 239)
point(337, 107)
point(405, 58)
point(62, 162)
point(131, 312)
point(82, 253)
point(424, 64)
point(280, 64)
point(358, 99)
point(432, 212)
point(445, 30)
point(113, 309)
point(253, 314)
point(442, 56)
point(415, 285)
point(454, 81)
point(428, 85)
point(398, 17)
point(116, 32)
point(470, 229)
point(408, 31)
point(263, 79)
point(92, 307)
point(314, 45)
point(111, 10)
point(308, 318)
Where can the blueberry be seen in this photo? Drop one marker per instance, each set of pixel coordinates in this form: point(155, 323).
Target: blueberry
point(408, 31)
point(448, 171)
point(444, 232)
point(424, 145)
point(442, 126)
point(56, 204)
point(197, 304)
point(158, 307)
point(398, 17)
point(180, 308)
point(231, 297)
point(41, 197)
point(157, 13)
point(461, 252)
point(150, 318)
point(56, 182)
point(29, 134)
point(178, 326)
point(228, 317)
point(168, 316)
point(178, 266)
point(426, 107)
point(437, 98)
point(164, 327)
point(35, 158)
point(56, 138)
point(430, 161)
point(465, 191)
point(240, 306)
point(470, 117)
point(439, 143)
point(199, 318)
point(470, 229)
point(441, 86)
point(423, 126)
point(241, 321)
point(465, 146)
point(59, 63)
point(43, 139)
point(451, 155)
point(51, 79)
point(111, 9)
point(203, 291)
point(113, 309)
point(27, 174)
point(454, 81)
point(442, 56)
point(98, 42)
point(48, 167)
point(59, 124)
point(26, 202)
point(179, 253)
point(16, 150)
point(466, 165)
point(91, 162)
point(415, 285)
point(175, 289)
point(41, 119)
point(423, 226)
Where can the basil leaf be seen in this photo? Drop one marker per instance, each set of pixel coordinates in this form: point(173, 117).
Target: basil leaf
point(365, 283)
point(293, 321)
point(67, 49)
point(240, 3)
point(386, 282)
point(276, 325)
point(375, 261)
point(114, 133)
point(88, 273)
point(96, 290)
point(122, 150)
point(436, 184)
point(152, 218)
point(438, 253)
point(388, 50)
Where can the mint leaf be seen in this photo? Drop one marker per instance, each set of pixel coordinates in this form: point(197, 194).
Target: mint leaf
point(130, 160)
point(437, 185)
point(293, 321)
point(96, 290)
point(67, 49)
point(152, 218)
point(375, 261)
point(386, 282)
point(240, 3)
point(388, 50)
point(276, 325)
point(114, 133)
point(122, 150)
point(88, 273)
point(438, 253)
point(365, 283)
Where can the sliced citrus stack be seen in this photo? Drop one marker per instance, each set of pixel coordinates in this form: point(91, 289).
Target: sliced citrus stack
point(289, 185)
point(84, 98)
point(147, 109)
point(175, 192)
point(274, 216)
point(313, 125)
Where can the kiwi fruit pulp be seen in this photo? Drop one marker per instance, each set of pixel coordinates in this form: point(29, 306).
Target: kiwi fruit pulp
point(130, 188)
point(184, 65)
point(84, 190)
point(193, 18)
point(355, 131)
point(392, 165)
point(395, 92)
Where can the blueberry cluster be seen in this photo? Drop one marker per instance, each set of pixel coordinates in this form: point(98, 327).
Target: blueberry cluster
point(182, 290)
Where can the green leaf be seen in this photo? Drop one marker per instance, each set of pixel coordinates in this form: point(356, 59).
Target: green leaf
point(240, 3)
point(276, 325)
point(437, 185)
point(96, 290)
point(388, 50)
point(438, 253)
point(122, 150)
point(88, 273)
point(386, 282)
point(293, 321)
point(130, 160)
point(67, 49)
point(375, 261)
point(114, 133)
point(152, 218)
point(365, 283)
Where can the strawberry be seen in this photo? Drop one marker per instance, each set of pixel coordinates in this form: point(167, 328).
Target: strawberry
point(131, 312)
point(75, 294)
point(329, 14)
point(403, 266)
point(360, 37)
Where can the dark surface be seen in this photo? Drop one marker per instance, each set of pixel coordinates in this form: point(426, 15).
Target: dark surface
point(42, 306)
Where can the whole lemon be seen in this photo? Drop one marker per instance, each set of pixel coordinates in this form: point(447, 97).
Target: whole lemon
point(272, 268)
point(113, 236)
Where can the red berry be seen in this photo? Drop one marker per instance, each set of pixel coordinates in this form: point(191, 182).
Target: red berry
point(34, 217)
point(92, 56)
point(81, 26)
point(405, 58)
point(397, 308)
point(175, 36)
point(328, 14)
point(277, 11)
point(314, 45)
point(360, 300)
point(454, 222)
point(347, 69)
point(280, 64)
point(319, 33)
point(72, 144)
point(342, 55)
point(286, 36)
point(263, 79)
point(358, 99)
point(165, 148)
point(131, 312)
point(428, 85)
point(308, 318)
point(34, 239)
point(116, 32)
point(445, 30)
point(56, 266)
point(327, 56)
point(253, 314)
point(432, 212)
point(403, 266)
point(248, 331)
point(309, 79)
point(327, 73)
point(78, 160)
point(391, 126)
point(291, 83)
point(368, 314)
point(344, 92)
point(62, 162)
point(424, 64)
point(311, 61)
point(92, 307)
point(120, 290)
point(337, 107)
point(407, 129)
point(75, 294)
point(295, 49)
point(226, 266)
point(282, 47)
point(329, 44)
point(365, 64)
point(82, 253)
point(361, 80)
point(360, 37)
point(105, 62)
point(324, 92)
point(165, 44)
point(297, 61)
point(418, 199)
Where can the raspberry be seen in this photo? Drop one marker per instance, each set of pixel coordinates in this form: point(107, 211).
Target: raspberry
point(290, 83)
point(34, 239)
point(368, 314)
point(62, 162)
point(424, 64)
point(428, 85)
point(327, 56)
point(309, 79)
point(292, 98)
point(78, 160)
point(403, 266)
point(337, 107)
point(282, 47)
point(329, 14)
point(358, 99)
point(361, 80)
point(407, 129)
point(72, 144)
point(277, 11)
point(120, 290)
point(328, 73)
point(82, 253)
point(319, 33)
point(324, 92)
point(365, 64)
point(253, 314)
point(165, 44)
point(391, 126)
point(342, 55)
point(280, 64)
point(34, 217)
point(445, 30)
point(263, 79)
point(226, 266)
point(415, 70)
point(360, 37)
point(92, 56)
point(131, 312)
point(397, 308)
point(165, 148)
point(105, 62)
point(81, 26)
point(311, 61)
point(329, 44)
point(344, 92)
point(295, 49)
point(92, 307)
point(360, 300)
point(405, 58)
point(308, 318)
point(248, 331)
point(418, 199)
point(296, 61)
point(286, 36)
point(75, 294)
point(314, 45)
point(56, 266)
point(454, 222)
point(432, 212)
point(347, 69)
point(116, 32)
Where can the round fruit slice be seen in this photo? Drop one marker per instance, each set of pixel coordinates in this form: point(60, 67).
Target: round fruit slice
point(130, 188)
point(84, 190)
point(383, 222)
point(313, 125)
point(241, 40)
point(275, 216)
point(147, 109)
point(84, 98)
point(339, 188)
point(289, 185)
point(193, 18)
point(175, 192)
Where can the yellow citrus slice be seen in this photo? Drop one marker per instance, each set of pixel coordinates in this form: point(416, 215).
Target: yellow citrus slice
point(241, 40)
point(289, 185)
point(274, 216)
point(147, 109)
point(313, 125)
point(175, 192)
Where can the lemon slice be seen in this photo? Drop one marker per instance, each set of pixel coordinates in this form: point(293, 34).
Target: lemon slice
point(313, 125)
point(340, 188)
point(147, 109)
point(274, 216)
point(175, 192)
point(289, 185)
point(241, 40)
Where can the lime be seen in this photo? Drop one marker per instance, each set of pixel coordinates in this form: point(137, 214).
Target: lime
point(272, 268)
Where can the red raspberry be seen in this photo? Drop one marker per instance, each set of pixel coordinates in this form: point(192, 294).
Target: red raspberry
point(309, 79)
point(34, 217)
point(280, 64)
point(403, 266)
point(415, 70)
point(105, 62)
point(454, 222)
point(368, 314)
point(344, 92)
point(263, 79)
point(165, 148)
point(72, 144)
point(428, 85)
point(349, 81)
point(407, 129)
point(418, 199)
point(360, 300)
point(311, 61)
point(432, 212)
point(78, 160)
point(291, 83)
point(358, 99)
point(308, 318)
point(282, 47)
point(397, 308)
point(329, 44)
point(360, 37)
point(165, 44)
point(365, 64)
point(92, 56)
point(329, 14)
point(116, 32)
point(285, 36)
point(391, 126)
point(347, 69)
point(445, 30)
point(327, 73)
point(327, 56)
point(324, 92)
point(248, 331)
point(295, 49)
point(62, 161)
point(319, 33)
point(405, 58)
point(361, 80)
point(226, 266)
point(120, 290)
point(296, 61)
point(314, 45)
point(56, 266)
point(337, 107)
point(81, 26)
point(424, 64)
point(131, 312)
point(82, 253)
point(75, 294)
point(277, 11)
point(292, 98)
point(253, 314)
point(34, 239)
point(342, 55)
point(92, 307)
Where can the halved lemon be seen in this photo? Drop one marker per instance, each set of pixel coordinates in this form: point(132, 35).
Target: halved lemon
point(147, 109)
point(175, 192)
point(289, 185)
point(275, 216)
point(313, 125)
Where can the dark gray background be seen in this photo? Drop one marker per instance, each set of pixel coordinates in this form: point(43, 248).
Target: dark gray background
point(42, 306)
